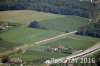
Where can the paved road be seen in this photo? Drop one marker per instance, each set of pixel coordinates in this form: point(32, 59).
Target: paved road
point(55, 38)
point(82, 54)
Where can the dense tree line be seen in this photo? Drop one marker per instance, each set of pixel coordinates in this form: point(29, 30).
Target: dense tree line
point(64, 7)
point(92, 29)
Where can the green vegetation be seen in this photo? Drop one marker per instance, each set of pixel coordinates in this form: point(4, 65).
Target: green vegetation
point(67, 23)
point(92, 29)
point(5, 59)
point(74, 43)
point(32, 54)
point(5, 45)
point(34, 24)
point(54, 25)
point(24, 34)
point(40, 48)
point(64, 7)
point(25, 16)
point(27, 35)
point(37, 57)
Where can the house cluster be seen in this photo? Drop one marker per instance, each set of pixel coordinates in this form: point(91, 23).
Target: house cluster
point(12, 60)
point(93, 1)
point(57, 49)
point(4, 26)
point(16, 60)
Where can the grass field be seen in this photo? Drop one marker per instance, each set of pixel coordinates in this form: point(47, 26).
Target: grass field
point(32, 54)
point(85, 38)
point(27, 35)
point(37, 52)
point(23, 34)
point(25, 16)
point(67, 23)
point(75, 44)
point(5, 45)
point(74, 41)
point(50, 21)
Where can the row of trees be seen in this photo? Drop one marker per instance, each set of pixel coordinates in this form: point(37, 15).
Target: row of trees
point(92, 30)
point(64, 7)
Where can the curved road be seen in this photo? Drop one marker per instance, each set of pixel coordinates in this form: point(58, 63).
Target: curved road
point(82, 54)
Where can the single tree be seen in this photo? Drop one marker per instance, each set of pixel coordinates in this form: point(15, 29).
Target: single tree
point(34, 24)
point(5, 59)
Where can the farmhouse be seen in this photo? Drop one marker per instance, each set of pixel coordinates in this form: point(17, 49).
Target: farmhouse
point(93, 1)
point(4, 26)
point(57, 49)
point(54, 49)
point(15, 60)
point(61, 47)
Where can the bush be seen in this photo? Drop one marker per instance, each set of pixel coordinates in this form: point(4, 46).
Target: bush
point(5, 59)
point(34, 24)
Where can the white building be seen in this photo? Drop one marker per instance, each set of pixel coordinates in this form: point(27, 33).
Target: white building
point(95, 1)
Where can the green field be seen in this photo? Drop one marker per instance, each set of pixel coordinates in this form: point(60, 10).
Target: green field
point(5, 45)
point(27, 35)
point(23, 34)
point(85, 38)
point(54, 24)
point(32, 54)
point(25, 16)
point(77, 42)
point(67, 23)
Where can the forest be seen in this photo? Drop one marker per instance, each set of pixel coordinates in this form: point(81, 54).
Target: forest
point(92, 30)
point(64, 7)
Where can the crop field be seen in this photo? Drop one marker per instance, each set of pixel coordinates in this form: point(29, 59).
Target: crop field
point(27, 35)
point(57, 24)
point(67, 23)
point(86, 38)
point(77, 42)
point(32, 54)
point(6, 45)
point(25, 16)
